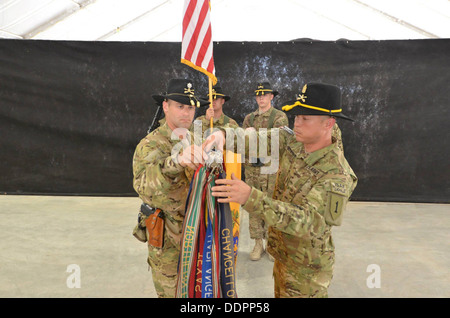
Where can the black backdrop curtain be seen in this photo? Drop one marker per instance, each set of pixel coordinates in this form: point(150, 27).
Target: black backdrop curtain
point(72, 113)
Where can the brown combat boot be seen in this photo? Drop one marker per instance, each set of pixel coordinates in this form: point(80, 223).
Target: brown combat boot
point(258, 250)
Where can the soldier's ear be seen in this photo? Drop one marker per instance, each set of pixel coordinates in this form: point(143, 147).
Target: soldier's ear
point(165, 105)
point(332, 121)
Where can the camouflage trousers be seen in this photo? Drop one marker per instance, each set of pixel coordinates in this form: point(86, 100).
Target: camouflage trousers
point(265, 183)
point(298, 282)
point(164, 262)
point(257, 227)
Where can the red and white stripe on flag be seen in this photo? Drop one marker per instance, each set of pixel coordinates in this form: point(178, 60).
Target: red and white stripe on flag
point(197, 45)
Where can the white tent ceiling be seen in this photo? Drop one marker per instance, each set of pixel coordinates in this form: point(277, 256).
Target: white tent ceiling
point(232, 20)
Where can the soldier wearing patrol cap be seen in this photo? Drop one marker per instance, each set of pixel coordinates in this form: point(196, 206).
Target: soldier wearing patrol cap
point(162, 180)
point(266, 116)
point(314, 184)
point(216, 112)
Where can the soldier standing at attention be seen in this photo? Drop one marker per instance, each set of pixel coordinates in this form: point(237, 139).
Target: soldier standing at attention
point(266, 116)
point(216, 112)
point(162, 181)
point(314, 183)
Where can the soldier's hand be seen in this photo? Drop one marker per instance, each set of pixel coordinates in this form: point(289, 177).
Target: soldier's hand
point(216, 139)
point(234, 190)
point(209, 113)
point(191, 157)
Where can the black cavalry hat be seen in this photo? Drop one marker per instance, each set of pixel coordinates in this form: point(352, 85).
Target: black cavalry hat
point(182, 91)
point(218, 92)
point(265, 87)
point(316, 99)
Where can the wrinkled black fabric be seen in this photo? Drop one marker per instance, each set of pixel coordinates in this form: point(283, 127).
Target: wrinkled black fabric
point(71, 113)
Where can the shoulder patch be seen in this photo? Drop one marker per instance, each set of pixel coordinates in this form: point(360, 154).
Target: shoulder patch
point(335, 208)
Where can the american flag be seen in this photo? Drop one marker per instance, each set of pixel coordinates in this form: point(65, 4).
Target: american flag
point(196, 44)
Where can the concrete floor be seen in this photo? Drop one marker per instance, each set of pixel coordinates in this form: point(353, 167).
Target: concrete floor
point(42, 236)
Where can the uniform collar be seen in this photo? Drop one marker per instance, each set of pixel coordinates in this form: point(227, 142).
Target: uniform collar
point(167, 132)
point(315, 156)
point(266, 113)
point(311, 158)
point(220, 119)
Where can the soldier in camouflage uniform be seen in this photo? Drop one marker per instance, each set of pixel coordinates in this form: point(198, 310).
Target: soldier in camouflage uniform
point(216, 111)
point(162, 179)
point(266, 116)
point(314, 184)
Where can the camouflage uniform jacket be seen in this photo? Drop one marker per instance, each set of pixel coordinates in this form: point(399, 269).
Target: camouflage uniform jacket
point(253, 175)
point(261, 120)
point(222, 121)
point(159, 181)
point(310, 197)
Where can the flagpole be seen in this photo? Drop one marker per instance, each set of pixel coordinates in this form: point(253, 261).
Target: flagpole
point(210, 101)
